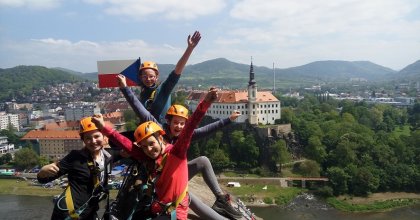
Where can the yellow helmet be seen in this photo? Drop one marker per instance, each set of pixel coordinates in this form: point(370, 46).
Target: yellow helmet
point(86, 125)
point(149, 65)
point(147, 129)
point(178, 110)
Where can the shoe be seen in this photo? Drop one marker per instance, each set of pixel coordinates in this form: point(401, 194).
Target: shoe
point(222, 206)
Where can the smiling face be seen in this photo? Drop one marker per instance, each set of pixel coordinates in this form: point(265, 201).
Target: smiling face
point(176, 124)
point(94, 140)
point(151, 146)
point(148, 77)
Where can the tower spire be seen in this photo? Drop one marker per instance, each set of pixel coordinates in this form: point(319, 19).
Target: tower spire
point(251, 74)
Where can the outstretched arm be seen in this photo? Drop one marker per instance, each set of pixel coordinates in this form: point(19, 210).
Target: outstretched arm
point(134, 102)
point(48, 172)
point(212, 127)
point(192, 42)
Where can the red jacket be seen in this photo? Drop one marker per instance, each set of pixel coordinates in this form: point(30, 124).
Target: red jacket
point(174, 177)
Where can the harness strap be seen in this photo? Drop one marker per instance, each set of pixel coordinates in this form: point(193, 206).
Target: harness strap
point(150, 100)
point(74, 214)
point(69, 204)
point(172, 207)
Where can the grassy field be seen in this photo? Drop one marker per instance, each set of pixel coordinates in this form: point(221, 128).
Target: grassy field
point(375, 202)
point(273, 194)
point(18, 187)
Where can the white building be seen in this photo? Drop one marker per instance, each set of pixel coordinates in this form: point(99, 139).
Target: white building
point(75, 113)
point(5, 147)
point(256, 107)
point(9, 119)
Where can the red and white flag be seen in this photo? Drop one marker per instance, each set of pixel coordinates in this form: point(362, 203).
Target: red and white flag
point(108, 71)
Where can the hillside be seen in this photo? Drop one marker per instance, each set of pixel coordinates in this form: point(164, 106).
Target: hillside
point(223, 72)
point(411, 72)
point(20, 80)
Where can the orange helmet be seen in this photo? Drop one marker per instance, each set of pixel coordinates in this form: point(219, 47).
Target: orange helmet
point(149, 65)
point(86, 125)
point(147, 129)
point(178, 110)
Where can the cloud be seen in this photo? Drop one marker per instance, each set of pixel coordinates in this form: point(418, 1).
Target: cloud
point(306, 30)
point(157, 9)
point(31, 4)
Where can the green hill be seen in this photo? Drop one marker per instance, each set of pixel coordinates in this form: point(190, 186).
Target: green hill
point(20, 80)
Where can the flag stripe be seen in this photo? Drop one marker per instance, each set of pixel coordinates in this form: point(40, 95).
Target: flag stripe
point(129, 68)
point(110, 80)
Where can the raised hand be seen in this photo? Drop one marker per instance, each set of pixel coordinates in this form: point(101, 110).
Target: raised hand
point(193, 41)
point(211, 95)
point(98, 120)
point(235, 114)
point(122, 81)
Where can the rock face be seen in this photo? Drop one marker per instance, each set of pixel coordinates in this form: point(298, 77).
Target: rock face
point(197, 186)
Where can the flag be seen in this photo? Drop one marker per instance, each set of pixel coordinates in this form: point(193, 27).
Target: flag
point(108, 71)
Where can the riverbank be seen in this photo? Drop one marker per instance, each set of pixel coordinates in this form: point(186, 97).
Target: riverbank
point(252, 195)
point(374, 202)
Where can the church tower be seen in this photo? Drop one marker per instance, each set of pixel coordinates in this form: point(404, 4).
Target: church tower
point(252, 97)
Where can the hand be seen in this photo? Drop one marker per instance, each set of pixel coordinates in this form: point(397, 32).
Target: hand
point(211, 95)
point(98, 120)
point(122, 82)
point(48, 170)
point(235, 114)
point(193, 41)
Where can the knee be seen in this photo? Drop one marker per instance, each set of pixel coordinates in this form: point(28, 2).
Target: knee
point(204, 160)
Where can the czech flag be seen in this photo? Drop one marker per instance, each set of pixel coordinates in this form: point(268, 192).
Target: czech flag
point(108, 71)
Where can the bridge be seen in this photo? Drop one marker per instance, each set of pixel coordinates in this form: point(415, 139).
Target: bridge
point(282, 181)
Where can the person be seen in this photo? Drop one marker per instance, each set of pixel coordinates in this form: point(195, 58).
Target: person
point(176, 117)
point(166, 163)
point(86, 175)
point(154, 96)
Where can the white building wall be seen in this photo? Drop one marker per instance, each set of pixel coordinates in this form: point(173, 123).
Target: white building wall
point(267, 112)
point(7, 119)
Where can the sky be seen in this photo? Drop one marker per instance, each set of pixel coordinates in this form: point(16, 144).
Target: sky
point(75, 34)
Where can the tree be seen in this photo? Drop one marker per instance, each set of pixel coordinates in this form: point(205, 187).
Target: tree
point(338, 179)
point(26, 158)
point(364, 182)
point(219, 159)
point(278, 154)
point(308, 168)
point(6, 158)
point(315, 150)
point(43, 160)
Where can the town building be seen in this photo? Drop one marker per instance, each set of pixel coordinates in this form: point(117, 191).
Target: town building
point(55, 144)
point(77, 111)
point(256, 107)
point(5, 147)
point(9, 119)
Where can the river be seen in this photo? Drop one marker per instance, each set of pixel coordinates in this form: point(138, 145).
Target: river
point(35, 207)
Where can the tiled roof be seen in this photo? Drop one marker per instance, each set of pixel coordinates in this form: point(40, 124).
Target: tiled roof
point(51, 135)
point(234, 96)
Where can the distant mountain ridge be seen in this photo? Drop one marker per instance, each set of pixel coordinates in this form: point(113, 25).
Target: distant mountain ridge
point(222, 73)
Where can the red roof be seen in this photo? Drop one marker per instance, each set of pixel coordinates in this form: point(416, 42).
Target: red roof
point(51, 135)
point(234, 96)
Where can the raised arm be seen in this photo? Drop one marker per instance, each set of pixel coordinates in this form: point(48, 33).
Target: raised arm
point(48, 172)
point(134, 102)
point(183, 143)
point(192, 42)
point(117, 138)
